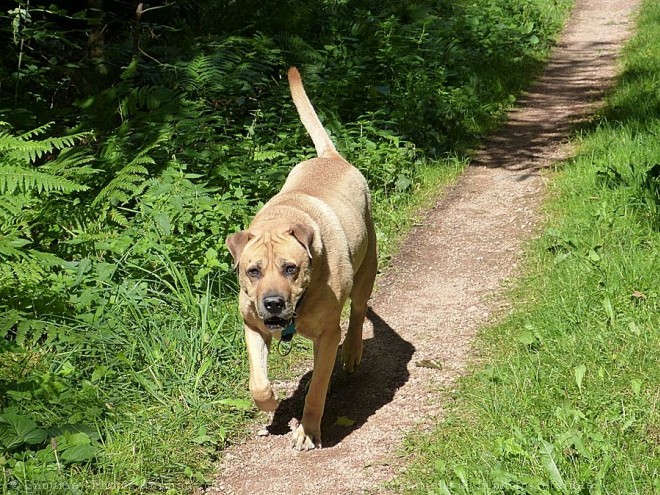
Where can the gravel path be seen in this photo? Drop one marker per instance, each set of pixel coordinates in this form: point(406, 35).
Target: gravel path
point(442, 287)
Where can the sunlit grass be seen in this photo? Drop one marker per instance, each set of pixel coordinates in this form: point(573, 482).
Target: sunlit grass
point(566, 400)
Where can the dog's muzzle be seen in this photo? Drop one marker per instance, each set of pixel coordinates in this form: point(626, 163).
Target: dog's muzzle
point(276, 323)
point(275, 313)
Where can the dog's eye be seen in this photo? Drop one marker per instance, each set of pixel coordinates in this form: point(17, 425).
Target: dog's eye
point(290, 269)
point(253, 272)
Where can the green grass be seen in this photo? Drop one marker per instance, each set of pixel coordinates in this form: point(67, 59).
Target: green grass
point(164, 391)
point(565, 397)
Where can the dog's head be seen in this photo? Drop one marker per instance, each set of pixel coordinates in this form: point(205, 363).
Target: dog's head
point(274, 269)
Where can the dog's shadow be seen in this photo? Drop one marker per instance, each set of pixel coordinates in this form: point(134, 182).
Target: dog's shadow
point(354, 398)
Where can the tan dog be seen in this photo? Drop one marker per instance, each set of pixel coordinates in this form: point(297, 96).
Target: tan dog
point(314, 238)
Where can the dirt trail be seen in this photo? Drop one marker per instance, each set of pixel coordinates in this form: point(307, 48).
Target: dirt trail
point(442, 286)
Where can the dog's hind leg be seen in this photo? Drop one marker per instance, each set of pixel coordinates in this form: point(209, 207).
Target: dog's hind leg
point(362, 287)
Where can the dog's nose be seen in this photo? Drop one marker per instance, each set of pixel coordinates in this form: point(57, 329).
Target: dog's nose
point(274, 304)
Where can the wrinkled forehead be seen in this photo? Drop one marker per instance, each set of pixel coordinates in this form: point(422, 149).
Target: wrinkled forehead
point(268, 246)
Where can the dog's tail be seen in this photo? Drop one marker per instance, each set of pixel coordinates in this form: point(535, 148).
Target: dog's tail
point(310, 120)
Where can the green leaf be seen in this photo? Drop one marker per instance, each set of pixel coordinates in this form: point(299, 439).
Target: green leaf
point(99, 372)
point(634, 328)
point(163, 222)
point(444, 489)
point(206, 364)
point(21, 179)
point(547, 454)
point(609, 310)
point(78, 453)
point(526, 337)
point(579, 375)
point(264, 155)
point(66, 369)
point(344, 421)
point(461, 472)
point(202, 437)
point(35, 437)
point(402, 183)
point(16, 430)
point(530, 337)
point(68, 440)
point(237, 403)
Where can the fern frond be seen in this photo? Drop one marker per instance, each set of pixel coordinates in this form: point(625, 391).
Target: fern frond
point(11, 205)
point(293, 43)
point(10, 247)
point(71, 162)
point(17, 149)
point(202, 71)
point(24, 148)
point(46, 259)
point(118, 217)
point(148, 98)
point(8, 317)
point(128, 183)
point(35, 132)
point(14, 178)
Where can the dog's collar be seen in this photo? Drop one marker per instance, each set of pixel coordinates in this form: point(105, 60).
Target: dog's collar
point(284, 346)
point(289, 331)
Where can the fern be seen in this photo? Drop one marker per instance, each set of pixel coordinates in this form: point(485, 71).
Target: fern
point(11, 205)
point(128, 183)
point(143, 98)
point(118, 217)
point(71, 162)
point(20, 179)
point(18, 155)
point(235, 67)
point(25, 148)
point(24, 191)
point(10, 247)
point(130, 180)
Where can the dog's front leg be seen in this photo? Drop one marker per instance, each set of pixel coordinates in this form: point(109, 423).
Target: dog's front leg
point(308, 434)
point(257, 346)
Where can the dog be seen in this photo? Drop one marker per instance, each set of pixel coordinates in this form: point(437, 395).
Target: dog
point(307, 251)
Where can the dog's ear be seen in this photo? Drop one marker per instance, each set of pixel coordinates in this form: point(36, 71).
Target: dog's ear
point(304, 234)
point(236, 242)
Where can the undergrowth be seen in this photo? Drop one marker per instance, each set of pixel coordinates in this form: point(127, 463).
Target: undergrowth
point(132, 143)
point(566, 399)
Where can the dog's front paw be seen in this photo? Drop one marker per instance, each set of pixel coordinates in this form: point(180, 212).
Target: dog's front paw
point(268, 405)
point(265, 399)
point(306, 438)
